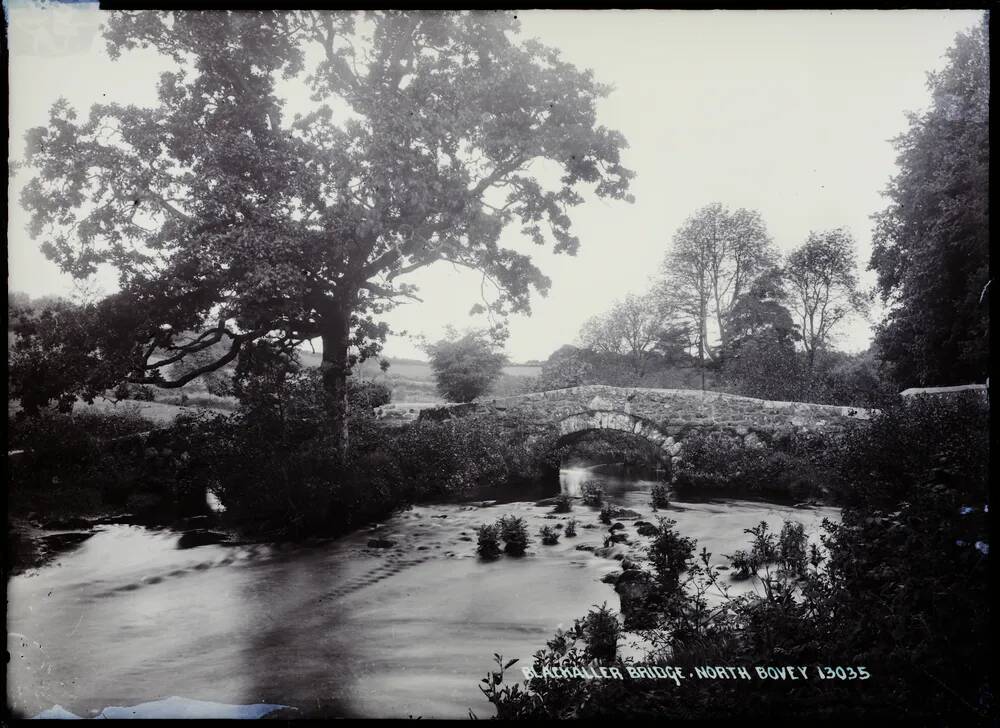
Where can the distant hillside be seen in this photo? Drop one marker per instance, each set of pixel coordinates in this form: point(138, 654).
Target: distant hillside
point(413, 368)
point(412, 380)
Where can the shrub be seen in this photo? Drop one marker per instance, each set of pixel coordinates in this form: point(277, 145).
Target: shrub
point(549, 535)
point(744, 564)
point(792, 543)
point(275, 444)
point(514, 533)
point(570, 528)
point(367, 395)
point(488, 541)
point(602, 631)
point(142, 393)
point(670, 554)
point(563, 504)
point(593, 493)
point(787, 548)
point(659, 496)
point(792, 464)
point(219, 383)
point(876, 464)
point(465, 367)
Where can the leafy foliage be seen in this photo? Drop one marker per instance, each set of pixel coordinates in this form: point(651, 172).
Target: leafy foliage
point(659, 496)
point(791, 464)
point(593, 492)
point(563, 504)
point(488, 541)
point(514, 533)
point(602, 632)
point(565, 367)
point(822, 276)
point(549, 535)
point(465, 367)
point(226, 218)
point(714, 257)
point(670, 555)
point(898, 589)
point(931, 243)
point(918, 436)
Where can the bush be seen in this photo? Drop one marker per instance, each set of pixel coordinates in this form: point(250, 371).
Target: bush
point(670, 554)
point(367, 395)
point(142, 393)
point(570, 528)
point(659, 496)
point(549, 535)
point(876, 464)
point(744, 563)
point(593, 493)
point(792, 543)
point(514, 533)
point(71, 467)
point(465, 367)
point(791, 464)
point(488, 541)
point(219, 383)
point(602, 631)
point(563, 504)
point(788, 549)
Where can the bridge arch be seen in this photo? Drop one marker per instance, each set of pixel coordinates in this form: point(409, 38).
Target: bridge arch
point(579, 423)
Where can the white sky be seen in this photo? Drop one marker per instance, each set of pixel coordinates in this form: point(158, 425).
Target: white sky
point(787, 112)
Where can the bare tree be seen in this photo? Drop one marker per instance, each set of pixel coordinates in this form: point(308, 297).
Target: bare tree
point(632, 328)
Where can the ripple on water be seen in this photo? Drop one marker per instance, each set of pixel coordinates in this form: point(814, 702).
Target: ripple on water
point(408, 630)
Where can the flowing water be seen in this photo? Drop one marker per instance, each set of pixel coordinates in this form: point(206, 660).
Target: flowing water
point(336, 628)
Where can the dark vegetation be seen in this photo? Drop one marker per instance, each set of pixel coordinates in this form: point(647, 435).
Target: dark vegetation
point(785, 466)
point(465, 367)
point(659, 496)
point(593, 493)
point(488, 541)
point(549, 535)
point(899, 588)
point(271, 463)
point(514, 532)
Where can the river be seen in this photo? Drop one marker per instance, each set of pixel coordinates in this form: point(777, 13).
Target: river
point(333, 628)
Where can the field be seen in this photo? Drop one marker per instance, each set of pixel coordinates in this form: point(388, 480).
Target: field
point(412, 381)
point(412, 384)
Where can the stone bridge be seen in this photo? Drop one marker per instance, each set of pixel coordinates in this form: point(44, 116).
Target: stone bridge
point(661, 416)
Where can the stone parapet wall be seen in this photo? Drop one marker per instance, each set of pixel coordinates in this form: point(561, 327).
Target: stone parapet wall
point(658, 414)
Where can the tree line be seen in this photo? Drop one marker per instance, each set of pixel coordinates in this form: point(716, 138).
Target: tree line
point(726, 305)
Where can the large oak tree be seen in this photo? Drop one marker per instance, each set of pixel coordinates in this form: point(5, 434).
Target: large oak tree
point(427, 135)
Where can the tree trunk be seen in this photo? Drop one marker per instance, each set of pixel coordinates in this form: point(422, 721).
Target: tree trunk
point(335, 368)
